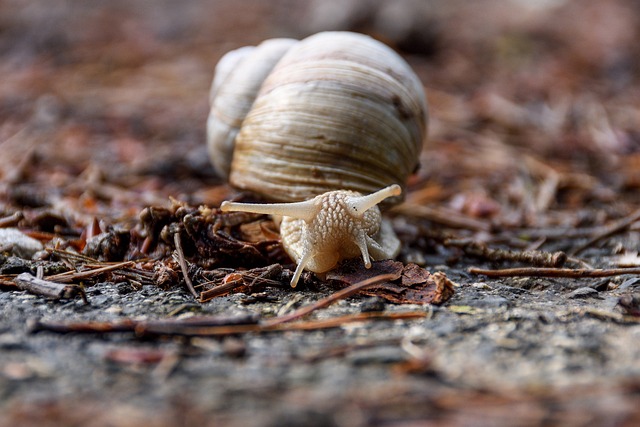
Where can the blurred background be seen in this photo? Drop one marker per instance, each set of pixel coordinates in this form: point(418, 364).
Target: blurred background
point(519, 92)
point(534, 126)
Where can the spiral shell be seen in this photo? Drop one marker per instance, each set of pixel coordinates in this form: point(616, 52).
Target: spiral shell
point(336, 110)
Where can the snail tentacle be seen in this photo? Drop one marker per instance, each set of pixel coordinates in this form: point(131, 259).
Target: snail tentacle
point(300, 268)
point(363, 244)
point(306, 210)
point(364, 203)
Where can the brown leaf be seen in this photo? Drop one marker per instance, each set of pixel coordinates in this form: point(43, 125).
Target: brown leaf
point(353, 270)
point(413, 284)
point(412, 274)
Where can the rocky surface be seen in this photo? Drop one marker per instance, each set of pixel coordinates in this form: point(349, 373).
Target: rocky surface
point(544, 348)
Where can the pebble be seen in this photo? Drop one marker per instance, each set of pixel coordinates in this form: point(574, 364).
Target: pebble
point(444, 325)
point(377, 355)
point(12, 341)
point(124, 288)
point(630, 283)
point(487, 301)
point(373, 304)
point(584, 292)
point(21, 244)
point(482, 286)
point(114, 309)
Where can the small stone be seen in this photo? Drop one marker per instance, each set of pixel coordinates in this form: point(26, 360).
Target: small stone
point(124, 288)
point(481, 286)
point(444, 324)
point(583, 293)
point(15, 265)
point(114, 309)
point(383, 355)
point(373, 304)
point(630, 304)
point(21, 245)
point(11, 341)
point(630, 283)
point(487, 301)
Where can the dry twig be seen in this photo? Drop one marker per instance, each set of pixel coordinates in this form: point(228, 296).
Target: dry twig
point(183, 265)
point(73, 276)
point(534, 257)
point(447, 217)
point(236, 280)
point(49, 289)
point(211, 326)
point(344, 293)
point(554, 272)
point(11, 220)
point(609, 230)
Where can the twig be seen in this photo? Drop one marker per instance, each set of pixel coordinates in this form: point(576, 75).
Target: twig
point(554, 272)
point(138, 275)
point(447, 217)
point(534, 246)
point(71, 255)
point(548, 189)
point(72, 276)
point(548, 233)
point(235, 280)
point(187, 330)
point(223, 288)
point(127, 325)
point(537, 258)
point(609, 230)
point(49, 289)
point(183, 265)
point(19, 168)
point(192, 328)
point(130, 325)
point(344, 293)
point(334, 322)
point(11, 220)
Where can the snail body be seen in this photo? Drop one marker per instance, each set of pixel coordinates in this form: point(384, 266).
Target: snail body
point(340, 224)
point(293, 120)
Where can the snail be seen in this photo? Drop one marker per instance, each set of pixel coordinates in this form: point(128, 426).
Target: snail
point(327, 127)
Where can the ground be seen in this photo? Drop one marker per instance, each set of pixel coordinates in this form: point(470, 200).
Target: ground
point(531, 164)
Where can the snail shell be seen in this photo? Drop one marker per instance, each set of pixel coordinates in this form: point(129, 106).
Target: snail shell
point(294, 119)
point(238, 77)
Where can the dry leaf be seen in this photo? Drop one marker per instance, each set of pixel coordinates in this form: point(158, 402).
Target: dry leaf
point(413, 284)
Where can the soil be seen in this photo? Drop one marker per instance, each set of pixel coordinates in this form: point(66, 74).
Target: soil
point(534, 147)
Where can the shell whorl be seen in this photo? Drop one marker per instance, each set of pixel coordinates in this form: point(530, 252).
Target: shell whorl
point(337, 110)
point(237, 80)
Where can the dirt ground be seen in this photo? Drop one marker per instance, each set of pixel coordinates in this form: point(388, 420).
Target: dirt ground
point(526, 199)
